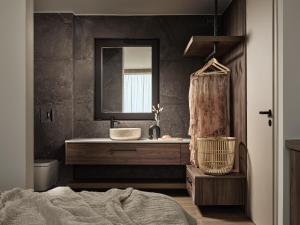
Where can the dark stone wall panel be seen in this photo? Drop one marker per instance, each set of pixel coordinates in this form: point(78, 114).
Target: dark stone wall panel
point(84, 79)
point(50, 136)
point(53, 80)
point(175, 120)
point(53, 36)
point(100, 129)
point(53, 83)
point(173, 33)
point(175, 80)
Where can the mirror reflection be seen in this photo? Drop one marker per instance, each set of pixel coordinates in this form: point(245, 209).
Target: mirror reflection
point(126, 79)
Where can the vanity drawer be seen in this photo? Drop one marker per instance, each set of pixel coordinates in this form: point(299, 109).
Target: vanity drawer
point(122, 154)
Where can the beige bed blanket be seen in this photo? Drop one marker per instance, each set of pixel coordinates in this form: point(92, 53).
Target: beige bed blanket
point(62, 206)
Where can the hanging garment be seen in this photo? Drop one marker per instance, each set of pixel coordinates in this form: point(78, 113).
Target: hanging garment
point(209, 111)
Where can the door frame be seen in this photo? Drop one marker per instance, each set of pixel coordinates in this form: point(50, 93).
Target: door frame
point(278, 137)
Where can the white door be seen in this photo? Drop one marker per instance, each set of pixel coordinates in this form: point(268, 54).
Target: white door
point(260, 98)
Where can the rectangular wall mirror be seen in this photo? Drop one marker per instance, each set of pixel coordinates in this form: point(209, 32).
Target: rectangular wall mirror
point(127, 78)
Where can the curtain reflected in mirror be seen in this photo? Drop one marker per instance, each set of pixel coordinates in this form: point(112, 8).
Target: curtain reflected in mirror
point(137, 96)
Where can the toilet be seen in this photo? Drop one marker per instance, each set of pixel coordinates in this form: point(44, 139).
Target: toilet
point(45, 174)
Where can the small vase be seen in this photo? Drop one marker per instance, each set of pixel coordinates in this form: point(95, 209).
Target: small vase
point(154, 131)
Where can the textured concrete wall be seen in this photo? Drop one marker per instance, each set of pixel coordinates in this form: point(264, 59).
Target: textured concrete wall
point(53, 82)
point(173, 32)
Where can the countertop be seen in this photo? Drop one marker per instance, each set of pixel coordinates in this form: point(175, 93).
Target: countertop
point(293, 144)
point(141, 141)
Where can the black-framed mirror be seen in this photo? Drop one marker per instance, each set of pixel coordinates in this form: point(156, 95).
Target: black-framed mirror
point(126, 78)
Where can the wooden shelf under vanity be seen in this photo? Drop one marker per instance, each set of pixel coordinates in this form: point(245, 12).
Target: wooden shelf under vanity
point(137, 184)
point(202, 46)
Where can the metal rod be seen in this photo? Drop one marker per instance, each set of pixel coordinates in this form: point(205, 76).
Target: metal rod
point(211, 55)
point(216, 19)
point(215, 32)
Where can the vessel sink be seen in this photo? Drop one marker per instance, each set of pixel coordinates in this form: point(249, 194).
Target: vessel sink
point(125, 134)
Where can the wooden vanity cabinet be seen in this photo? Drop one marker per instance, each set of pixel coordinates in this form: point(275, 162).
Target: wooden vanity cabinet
point(126, 154)
point(144, 165)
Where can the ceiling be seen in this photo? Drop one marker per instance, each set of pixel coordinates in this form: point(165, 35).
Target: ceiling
point(131, 7)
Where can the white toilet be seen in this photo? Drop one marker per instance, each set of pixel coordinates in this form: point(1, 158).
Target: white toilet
point(45, 174)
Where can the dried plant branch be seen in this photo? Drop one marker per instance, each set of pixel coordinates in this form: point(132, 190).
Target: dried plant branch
point(157, 110)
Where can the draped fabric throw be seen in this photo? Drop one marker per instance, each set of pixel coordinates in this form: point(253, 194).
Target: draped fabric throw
point(209, 109)
point(63, 206)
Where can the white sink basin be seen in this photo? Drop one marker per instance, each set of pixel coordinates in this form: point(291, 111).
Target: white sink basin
point(125, 134)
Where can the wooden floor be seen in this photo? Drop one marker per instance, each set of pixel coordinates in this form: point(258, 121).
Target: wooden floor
point(214, 215)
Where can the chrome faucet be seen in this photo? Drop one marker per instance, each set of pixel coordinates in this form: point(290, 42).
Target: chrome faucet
point(113, 122)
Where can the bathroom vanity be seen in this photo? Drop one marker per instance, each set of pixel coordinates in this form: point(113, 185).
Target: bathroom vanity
point(137, 163)
point(140, 152)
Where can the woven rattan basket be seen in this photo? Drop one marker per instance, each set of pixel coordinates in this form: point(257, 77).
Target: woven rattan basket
point(216, 154)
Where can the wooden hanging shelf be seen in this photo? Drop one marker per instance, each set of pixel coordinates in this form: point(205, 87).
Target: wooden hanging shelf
point(202, 46)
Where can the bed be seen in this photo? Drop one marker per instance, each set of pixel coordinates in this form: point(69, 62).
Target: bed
point(62, 206)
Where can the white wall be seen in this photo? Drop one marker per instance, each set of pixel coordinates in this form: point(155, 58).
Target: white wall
point(260, 97)
point(286, 102)
point(291, 72)
point(291, 88)
point(16, 94)
point(137, 57)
